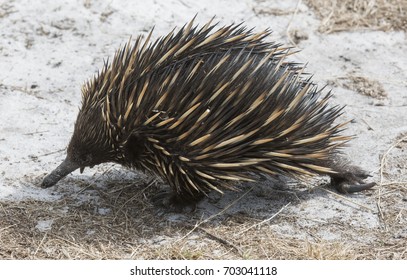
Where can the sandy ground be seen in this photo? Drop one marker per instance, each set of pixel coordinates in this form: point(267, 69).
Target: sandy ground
point(48, 49)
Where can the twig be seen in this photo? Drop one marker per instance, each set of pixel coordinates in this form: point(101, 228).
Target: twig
point(383, 161)
point(42, 241)
point(149, 184)
point(75, 245)
point(36, 132)
point(185, 4)
point(51, 153)
point(131, 198)
point(290, 22)
point(214, 215)
point(349, 200)
point(2, 208)
point(395, 183)
point(222, 241)
point(90, 184)
point(326, 20)
point(266, 220)
point(368, 125)
point(10, 226)
point(382, 164)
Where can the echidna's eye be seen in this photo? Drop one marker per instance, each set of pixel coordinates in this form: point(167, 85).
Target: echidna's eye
point(84, 160)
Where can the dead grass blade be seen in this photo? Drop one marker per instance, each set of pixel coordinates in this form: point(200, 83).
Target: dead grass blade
point(348, 15)
point(266, 220)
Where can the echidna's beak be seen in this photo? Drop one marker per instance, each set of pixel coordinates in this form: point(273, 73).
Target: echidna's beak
point(66, 167)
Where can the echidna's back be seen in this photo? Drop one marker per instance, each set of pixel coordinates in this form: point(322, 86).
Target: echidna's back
point(233, 108)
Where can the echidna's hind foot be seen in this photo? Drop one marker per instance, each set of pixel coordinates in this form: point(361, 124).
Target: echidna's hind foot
point(344, 184)
point(176, 203)
point(349, 179)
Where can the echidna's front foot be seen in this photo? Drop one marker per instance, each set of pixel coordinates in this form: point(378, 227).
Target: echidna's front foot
point(351, 181)
point(174, 203)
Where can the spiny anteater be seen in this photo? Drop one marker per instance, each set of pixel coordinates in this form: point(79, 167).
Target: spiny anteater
point(204, 107)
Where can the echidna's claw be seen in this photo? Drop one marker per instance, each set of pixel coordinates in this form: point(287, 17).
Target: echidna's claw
point(346, 188)
point(348, 178)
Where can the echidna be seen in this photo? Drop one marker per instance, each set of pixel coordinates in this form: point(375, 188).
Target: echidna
point(205, 107)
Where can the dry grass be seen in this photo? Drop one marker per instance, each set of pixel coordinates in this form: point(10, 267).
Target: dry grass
point(83, 234)
point(120, 222)
point(362, 85)
point(366, 86)
point(348, 15)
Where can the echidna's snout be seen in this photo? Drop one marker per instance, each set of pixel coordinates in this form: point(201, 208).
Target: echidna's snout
point(66, 167)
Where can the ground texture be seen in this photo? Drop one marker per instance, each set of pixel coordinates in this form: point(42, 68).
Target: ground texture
point(48, 49)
